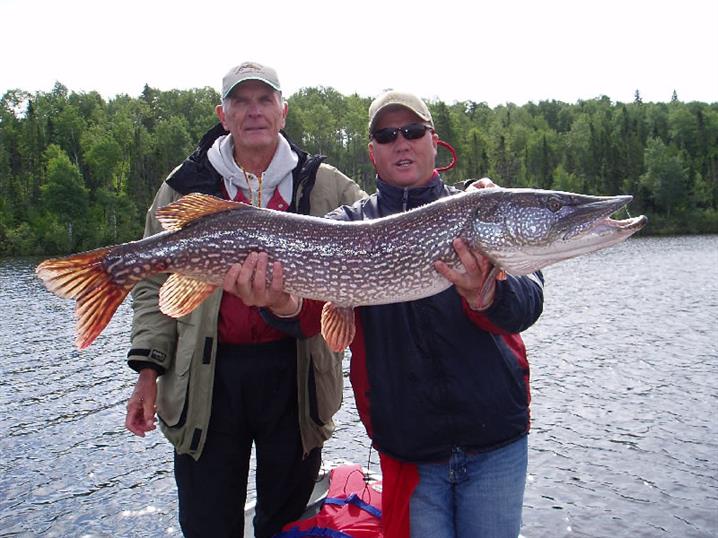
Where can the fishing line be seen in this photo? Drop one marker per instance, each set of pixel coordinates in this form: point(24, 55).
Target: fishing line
point(628, 213)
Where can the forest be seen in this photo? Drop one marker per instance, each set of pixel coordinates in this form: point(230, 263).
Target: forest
point(78, 171)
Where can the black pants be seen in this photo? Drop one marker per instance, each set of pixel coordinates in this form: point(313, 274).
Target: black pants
point(254, 400)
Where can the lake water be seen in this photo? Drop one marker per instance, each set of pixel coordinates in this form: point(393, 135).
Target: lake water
point(624, 438)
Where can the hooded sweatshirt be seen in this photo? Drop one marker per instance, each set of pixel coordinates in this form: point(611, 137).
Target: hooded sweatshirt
point(257, 190)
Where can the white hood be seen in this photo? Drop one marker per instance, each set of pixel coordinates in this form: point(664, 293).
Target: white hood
point(278, 174)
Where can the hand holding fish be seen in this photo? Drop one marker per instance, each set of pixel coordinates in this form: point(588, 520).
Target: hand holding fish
point(249, 281)
point(140, 417)
point(478, 283)
point(483, 183)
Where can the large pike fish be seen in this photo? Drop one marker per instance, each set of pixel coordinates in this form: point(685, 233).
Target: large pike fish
point(344, 263)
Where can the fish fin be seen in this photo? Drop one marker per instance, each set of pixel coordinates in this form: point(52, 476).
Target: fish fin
point(83, 277)
point(190, 207)
point(180, 294)
point(338, 326)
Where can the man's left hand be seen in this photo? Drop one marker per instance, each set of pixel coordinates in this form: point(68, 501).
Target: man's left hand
point(483, 183)
point(470, 284)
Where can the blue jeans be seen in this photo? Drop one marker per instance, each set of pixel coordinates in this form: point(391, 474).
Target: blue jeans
point(472, 495)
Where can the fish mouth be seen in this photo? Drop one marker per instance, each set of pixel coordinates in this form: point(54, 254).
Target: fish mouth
point(629, 225)
point(546, 227)
point(595, 217)
point(598, 234)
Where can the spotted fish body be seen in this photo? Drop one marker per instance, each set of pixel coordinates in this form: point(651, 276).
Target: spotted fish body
point(346, 263)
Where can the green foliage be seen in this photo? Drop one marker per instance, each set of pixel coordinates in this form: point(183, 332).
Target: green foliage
point(172, 142)
point(64, 194)
point(78, 172)
point(118, 218)
point(323, 121)
point(566, 181)
point(666, 177)
point(103, 156)
point(49, 235)
point(18, 240)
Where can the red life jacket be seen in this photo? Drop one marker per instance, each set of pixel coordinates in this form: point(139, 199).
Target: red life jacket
point(352, 509)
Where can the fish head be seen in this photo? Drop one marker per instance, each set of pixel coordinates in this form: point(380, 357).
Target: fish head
point(524, 230)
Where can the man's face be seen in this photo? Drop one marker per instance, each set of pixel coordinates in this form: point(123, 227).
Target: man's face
point(403, 163)
point(254, 114)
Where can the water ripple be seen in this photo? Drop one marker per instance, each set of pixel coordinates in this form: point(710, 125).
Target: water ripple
point(624, 440)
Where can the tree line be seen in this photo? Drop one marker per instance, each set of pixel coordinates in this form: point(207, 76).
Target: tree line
point(78, 171)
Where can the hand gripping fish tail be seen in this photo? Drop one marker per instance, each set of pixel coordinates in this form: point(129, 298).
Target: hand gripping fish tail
point(83, 277)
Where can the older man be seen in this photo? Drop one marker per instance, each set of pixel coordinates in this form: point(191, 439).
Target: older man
point(231, 374)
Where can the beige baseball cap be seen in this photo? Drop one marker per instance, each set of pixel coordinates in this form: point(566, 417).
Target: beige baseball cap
point(393, 98)
point(249, 71)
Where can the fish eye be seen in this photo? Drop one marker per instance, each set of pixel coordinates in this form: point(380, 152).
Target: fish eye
point(554, 205)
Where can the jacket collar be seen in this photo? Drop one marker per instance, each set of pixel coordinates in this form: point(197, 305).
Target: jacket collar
point(393, 199)
point(276, 178)
point(196, 174)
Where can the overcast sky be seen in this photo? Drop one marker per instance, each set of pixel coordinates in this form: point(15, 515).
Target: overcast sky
point(496, 52)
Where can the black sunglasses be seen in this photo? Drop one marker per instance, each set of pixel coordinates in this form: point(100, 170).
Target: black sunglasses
point(413, 131)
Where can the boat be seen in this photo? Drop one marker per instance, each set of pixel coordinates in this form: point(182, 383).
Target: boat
point(346, 498)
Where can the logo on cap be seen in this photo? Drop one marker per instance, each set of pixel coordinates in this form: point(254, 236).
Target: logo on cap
point(248, 66)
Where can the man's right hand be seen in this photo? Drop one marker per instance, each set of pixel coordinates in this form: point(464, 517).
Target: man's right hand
point(249, 282)
point(140, 417)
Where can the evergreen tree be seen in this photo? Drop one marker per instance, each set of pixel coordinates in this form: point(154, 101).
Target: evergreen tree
point(76, 170)
point(64, 195)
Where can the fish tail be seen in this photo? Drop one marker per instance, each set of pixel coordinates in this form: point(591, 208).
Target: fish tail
point(83, 277)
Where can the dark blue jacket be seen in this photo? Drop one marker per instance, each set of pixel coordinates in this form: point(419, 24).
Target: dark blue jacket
point(432, 374)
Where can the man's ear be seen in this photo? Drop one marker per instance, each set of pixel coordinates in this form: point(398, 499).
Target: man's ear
point(371, 154)
point(219, 111)
point(285, 109)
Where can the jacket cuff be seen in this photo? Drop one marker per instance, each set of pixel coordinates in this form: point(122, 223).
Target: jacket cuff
point(140, 358)
point(138, 366)
point(289, 326)
point(481, 318)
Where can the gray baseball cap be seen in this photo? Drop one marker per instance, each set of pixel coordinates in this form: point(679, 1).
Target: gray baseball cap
point(249, 71)
point(393, 98)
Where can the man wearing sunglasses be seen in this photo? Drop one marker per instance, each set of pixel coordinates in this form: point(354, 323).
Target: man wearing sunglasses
point(441, 384)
